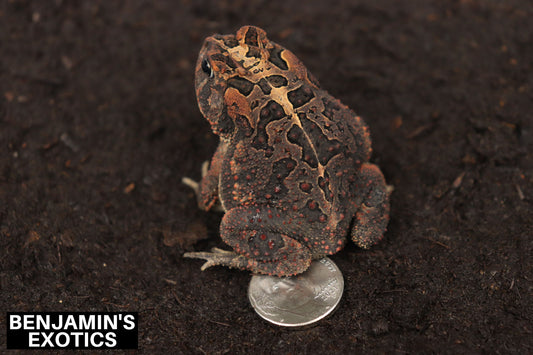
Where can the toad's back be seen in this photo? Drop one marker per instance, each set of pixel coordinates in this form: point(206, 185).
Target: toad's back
point(291, 166)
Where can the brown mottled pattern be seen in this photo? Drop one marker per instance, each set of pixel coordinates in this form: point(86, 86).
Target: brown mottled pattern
point(292, 165)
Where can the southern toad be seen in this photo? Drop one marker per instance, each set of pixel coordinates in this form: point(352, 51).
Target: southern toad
point(291, 171)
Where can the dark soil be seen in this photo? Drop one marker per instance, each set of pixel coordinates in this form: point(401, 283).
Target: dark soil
point(99, 123)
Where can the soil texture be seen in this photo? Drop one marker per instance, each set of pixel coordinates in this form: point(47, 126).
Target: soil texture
point(99, 123)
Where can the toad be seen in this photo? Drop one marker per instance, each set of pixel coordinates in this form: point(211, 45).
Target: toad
point(291, 171)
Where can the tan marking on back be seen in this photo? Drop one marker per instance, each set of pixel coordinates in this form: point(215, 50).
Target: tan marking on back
point(237, 104)
point(295, 69)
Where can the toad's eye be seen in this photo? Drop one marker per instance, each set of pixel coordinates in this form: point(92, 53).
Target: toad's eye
point(206, 67)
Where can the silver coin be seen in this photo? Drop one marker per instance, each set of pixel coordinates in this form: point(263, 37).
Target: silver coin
point(298, 300)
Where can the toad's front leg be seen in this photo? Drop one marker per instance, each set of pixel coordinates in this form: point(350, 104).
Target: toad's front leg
point(207, 189)
point(372, 218)
point(260, 244)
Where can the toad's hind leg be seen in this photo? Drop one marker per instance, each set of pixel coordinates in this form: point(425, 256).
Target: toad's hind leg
point(373, 215)
point(264, 241)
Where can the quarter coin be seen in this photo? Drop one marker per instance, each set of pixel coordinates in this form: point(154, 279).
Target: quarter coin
point(298, 300)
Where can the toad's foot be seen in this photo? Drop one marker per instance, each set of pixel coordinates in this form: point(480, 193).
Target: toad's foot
point(193, 184)
point(209, 199)
point(219, 257)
